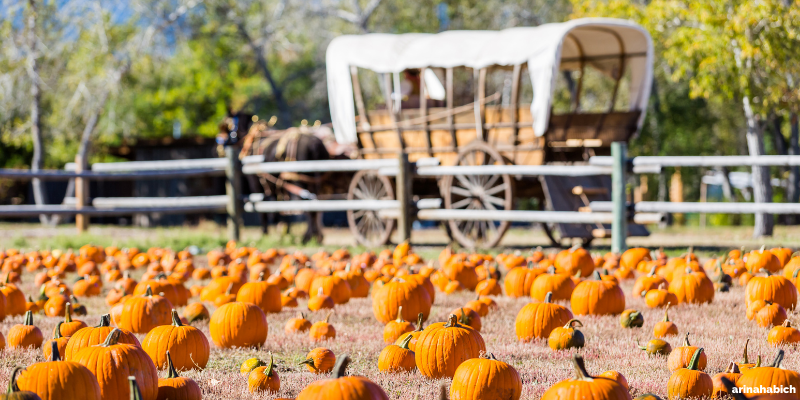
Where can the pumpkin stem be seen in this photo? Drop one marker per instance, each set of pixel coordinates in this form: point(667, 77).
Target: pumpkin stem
point(732, 368)
point(340, 369)
point(744, 359)
point(666, 316)
point(686, 340)
point(577, 274)
point(794, 274)
point(580, 369)
point(787, 324)
point(320, 292)
point(695, 359)
point(406, 341)
point(640, 346)
point(573, 323)
point(112, 338)
point(12, 382)
point(136, 394)
point(452, 321)
point(530, 264)
point(54, 355)
point(29, 318)
point(176, 319)
point(148, 293)
point(327, 317)
point(758, 361)
point(57, 331)
point(309, 362)
point(689, 269)
point(488, 356)
point(68, 313)
point(443, 392)
point(464, 319)
point(173, 373)
point(105, 320)
point(548, 298)
point(551, 270)
point(268, 370)
point(652, 271)
point(778, 360)
point(644, 293)
point(400, 314)
point(302, 315)
point(261, 276)
point(420, 316)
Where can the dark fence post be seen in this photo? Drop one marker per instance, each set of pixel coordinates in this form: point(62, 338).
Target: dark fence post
point(404, 193)
point(233, 188)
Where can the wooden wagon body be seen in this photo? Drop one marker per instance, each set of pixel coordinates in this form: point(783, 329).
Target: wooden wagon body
point(488, 98)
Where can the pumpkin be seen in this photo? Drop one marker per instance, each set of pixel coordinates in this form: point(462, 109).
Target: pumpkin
point(343, 387)
point(265, 295)
point(758, 260)
point(566, 337)
point(665, 327)
point(574, 260)
point(632, 257)
point(690, 382)
point(140, 314)
point(112, 362)
point(783, 334)
point(487, 378)
point(488, 287)
point(597, 297)
point(14, 298)
point(537, 320)
point(771, 315)
point(58, 339)
point(656, 347)
point(25, 335)
point(196, 312)
point(238, 325)
point(14, 393)
point(585, 386)
point(226, 297)
point(57, 380)
point(737, 395)
point(187, 345)
point(519, 281)
point(320, 360)
point(177, 387)
point(479, 306)
point(395, 328)
point(70, 326)
point(322, 330)
point(161, 286)
point(334, 286)
point(754, 307)
point(397, 357)
point(91, 336)
point(442, 347)
point(412, 296)
point(359, 286)
point(249, 365)
point(772, 288)
point(732, 374)
point(617, 376)
point(459, 270)
point(631, 319)
point(414, 335)
point(659, 298)
point(692, 287)
point(298, 324)
point(681, 357)
point(560, 285)
point(320, 302)
point(264, 379)
point(746, 364)
point(56, 305)
point(770, 376)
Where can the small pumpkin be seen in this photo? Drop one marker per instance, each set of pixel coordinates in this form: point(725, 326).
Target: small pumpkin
point(631, 319)
point(681, 357)
point(175, 386)
point(648, 282)
point(249, 365)
point(319, 360)
point(25, 335)
point(60, 341)
point(238, 325)
point(298, 324)
point(485, 377)
point(397, 358)
point(322, 330)
point(656, 347)
point(690, 382)
point(342, 386)
point(783, 334)
point(264, 379)
point(196, 312)
point(659, 297)
point(414, 335)
point(70, 326)
point(566, 337)
point(394, 329)
point(585, 386)
point(731, 373)
point(187, 345)
point(320, 302)
point(665, 327)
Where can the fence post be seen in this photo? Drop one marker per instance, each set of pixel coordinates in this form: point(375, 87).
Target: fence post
point(233, 189)
point(81, 195)
point(404, 190)
point(619, 226)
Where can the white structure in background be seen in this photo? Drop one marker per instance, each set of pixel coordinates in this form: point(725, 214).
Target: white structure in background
point(743, 181)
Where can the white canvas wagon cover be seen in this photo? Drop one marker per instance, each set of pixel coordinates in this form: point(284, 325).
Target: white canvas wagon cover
point(543, 48)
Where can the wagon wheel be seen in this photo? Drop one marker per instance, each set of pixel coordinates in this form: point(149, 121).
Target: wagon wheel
point(367, 226)
point(478, 192)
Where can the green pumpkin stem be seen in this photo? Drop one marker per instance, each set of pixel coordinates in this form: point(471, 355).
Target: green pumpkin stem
point(112, 338)
point(57, 331)
point(54, 355)
point(105, 320)
point(686, 340)
point(452, 322)
point(548, 298)
point(794, 274)
point(136, 394)
point(464, 319)
point(406, 341)
point(173, 373)
point(148, 293)
point(744, 356)
point(420, 318)
point(309, 362)
point(571, 324)
point(12, 383)
point(580, 369)
point(68, 312)
point(340, 369)
point(596, 275)
point(639, 345)
point(28, 318)
point(270, 366)
point(176, 319)
point(666, 315)
point(778, 360)
point(695, 361)
point(652, 271)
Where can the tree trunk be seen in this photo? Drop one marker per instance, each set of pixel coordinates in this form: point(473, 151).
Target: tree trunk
point(792, 187)
point(762, 189)
point(39, 191)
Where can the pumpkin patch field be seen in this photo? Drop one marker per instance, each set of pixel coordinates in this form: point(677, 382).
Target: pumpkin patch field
point(254, 323)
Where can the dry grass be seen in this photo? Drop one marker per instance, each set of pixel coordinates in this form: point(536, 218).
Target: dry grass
point(721, 328)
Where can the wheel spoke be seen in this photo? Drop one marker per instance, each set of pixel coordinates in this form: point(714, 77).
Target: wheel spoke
point(358, 214)
point(496, 189)
point(358, 194)
point(489, 183)
point(488, 205)
point(496, 200)
point(464, 182)
point(364, 187)
point(461, 203)
point(461, 192)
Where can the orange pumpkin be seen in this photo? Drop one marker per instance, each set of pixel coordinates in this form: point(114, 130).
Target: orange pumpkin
point(400, 292)
point(560, 285)
point(442, 347)
point(732, 374)
point(772, 288)
point(187, 345)
point(57, 380)
point(486, 378)
point(397, 357)
point(264, 379)
point(585, 386)
point(238, 325)
point(298, 324)
point(342, 386)
point(783, 334)
point(597, 297)
point(692, 287)
point(25, 335)
point(665, 327)
point(95, 335)
point(537, 320)
point(394, 329)
point(175, 386)
point(566, 337)
point(265, 295)
point(322, 330)
point(140, 314)
point(519, 281)
point(681, 357)
point(771, 376)
point(319, 360)
point(690, 382)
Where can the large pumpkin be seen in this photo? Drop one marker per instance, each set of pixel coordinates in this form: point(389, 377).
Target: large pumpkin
point(343, 387)
point(692, 287)
point(585, 386)
point(537, 320)
point(772, 288)
point(442, 347)
point(597, 297)
point(238, 325)
point(112, 362)
point(95, 335)
point(485, 378)
point(560, 285)
point(519, 281)
point(690, 382)
point(263, 294)
point(187, 345)
point(142, 313)
point(770, 376)
point(58, 380)
point(758, 260)
point(400, 292)
point(574, 260)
